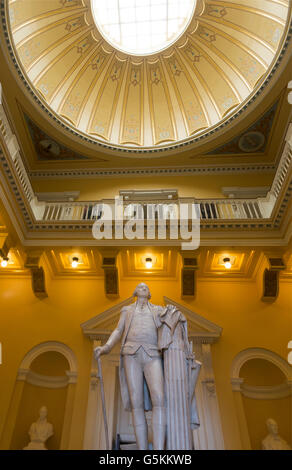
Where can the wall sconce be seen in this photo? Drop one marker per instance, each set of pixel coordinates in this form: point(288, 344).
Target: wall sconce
point(148, 263)
point(227, 263)
point(75, 262)
point(4, 262)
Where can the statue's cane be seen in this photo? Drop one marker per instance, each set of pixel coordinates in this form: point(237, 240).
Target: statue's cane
point(99, 376)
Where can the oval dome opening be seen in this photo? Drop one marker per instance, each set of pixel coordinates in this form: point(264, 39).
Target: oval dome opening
point(142, 27)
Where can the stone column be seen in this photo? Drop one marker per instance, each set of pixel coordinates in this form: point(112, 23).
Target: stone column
point(209, 436)
point(242, 424)
point(92, 403)
point(13, 409)
point(71, 388)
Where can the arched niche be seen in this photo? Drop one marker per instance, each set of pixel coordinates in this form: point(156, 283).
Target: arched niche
point(259, 353)
point(47, 376)
point(261, 381)
point(259, 372)
point(50, 363)
point(52, 346)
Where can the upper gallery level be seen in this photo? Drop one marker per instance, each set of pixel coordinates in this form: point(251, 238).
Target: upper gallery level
point(254, 212)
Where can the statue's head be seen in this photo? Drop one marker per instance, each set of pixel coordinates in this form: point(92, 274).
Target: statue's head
point(43, 412)
point(272, 426)
point(142, 290)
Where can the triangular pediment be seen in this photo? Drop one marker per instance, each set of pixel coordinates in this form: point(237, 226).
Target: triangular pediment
point(101, 326)
point(199, 328)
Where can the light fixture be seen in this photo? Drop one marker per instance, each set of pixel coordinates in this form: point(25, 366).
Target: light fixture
point(227, 263)
point(148, 263)
point(4, 262)
point(75, 262)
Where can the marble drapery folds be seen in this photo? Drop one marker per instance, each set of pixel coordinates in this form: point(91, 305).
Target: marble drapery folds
point(181, 372)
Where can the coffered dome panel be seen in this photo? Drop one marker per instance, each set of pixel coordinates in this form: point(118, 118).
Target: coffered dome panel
point(139, 103)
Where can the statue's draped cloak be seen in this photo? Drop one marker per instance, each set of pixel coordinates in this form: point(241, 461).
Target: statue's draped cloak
point(180, 376)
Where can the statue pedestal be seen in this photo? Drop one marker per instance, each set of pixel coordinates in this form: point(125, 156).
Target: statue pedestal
point(35, 445)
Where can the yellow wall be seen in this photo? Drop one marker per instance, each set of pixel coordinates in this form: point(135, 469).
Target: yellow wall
point(199, 186)
point(234, 305)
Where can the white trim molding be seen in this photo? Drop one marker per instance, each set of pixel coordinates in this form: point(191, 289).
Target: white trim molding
point(260, 392)
point(71, 173)
point(236, 384)
point(91, 328)
point(272, 392)
point(200, 329)
point(46, 381)
point(71, 376)
point(259, 353)
point(49, 346)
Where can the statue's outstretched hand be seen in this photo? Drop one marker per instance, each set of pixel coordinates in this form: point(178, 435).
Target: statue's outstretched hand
point(100, 350)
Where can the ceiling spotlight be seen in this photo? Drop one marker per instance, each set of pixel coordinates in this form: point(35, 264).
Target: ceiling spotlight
point(75, 262)
point(4, 262)
point(148, 263)
point(227, 263)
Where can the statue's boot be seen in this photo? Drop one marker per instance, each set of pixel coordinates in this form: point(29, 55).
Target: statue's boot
point(140, 427)
point(158, 427)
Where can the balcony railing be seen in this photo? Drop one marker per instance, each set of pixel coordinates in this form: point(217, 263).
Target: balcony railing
point(209, 209)
point(14, 153)
point(284, 165)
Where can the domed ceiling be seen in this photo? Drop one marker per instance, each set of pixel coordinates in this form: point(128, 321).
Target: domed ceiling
point(136, 103)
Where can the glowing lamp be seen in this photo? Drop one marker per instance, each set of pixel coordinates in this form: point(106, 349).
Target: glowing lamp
point(4, 262)
point(227, 263)
point(148, 263)
point(75, 262)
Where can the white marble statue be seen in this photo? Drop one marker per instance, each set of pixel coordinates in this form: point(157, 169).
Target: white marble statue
point(273, 441)
point(40, 431)
point(158, 371)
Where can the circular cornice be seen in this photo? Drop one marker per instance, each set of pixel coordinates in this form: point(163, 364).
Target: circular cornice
point(161, 92)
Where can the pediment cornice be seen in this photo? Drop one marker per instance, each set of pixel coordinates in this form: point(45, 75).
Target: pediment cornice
point(200, 330)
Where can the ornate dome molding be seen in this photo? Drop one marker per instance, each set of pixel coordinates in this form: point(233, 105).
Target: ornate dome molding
point(154, 103)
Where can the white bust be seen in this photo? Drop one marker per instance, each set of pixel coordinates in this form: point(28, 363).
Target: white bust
point(273, 441)
point(40, 431)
